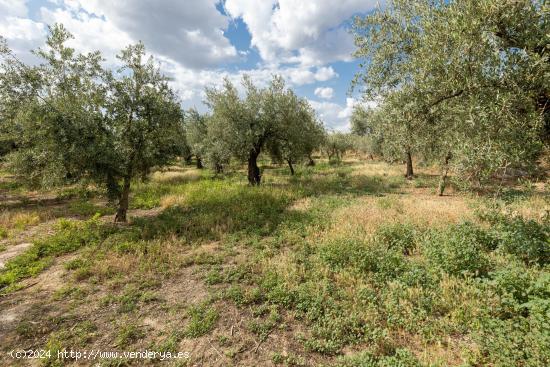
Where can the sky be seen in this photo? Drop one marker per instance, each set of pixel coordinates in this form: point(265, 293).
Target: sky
point(199, 42)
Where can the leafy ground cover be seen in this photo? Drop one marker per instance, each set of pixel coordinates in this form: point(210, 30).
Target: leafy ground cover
point(339, 265)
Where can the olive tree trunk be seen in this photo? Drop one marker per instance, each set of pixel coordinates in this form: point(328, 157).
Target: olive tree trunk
point(145, 174)
point(444, 173)
point(310, 162)
point(254, 177)
point(289, 161)
point(409, 174)
point(199, 163)
point(123, 201)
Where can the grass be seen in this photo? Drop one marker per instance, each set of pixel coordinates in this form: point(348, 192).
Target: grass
point(202, 319)
point(69, 237)
point(344, 265)
point(128, 334)
point(13, 222)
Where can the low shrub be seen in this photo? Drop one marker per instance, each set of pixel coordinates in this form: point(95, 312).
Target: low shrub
point(400, 358)
point(203, 318)
point(397, 236)
point(511, 286)
point(3, 232)
point(518, 341)
point(459, 249)
point(527, 239)
point(368, 258)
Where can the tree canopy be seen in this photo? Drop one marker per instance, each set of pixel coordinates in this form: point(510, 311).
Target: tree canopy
point(470, 79)
point(71, 119)
point(271, 118)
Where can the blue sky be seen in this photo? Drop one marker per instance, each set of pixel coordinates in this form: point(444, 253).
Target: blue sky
point(199, 42)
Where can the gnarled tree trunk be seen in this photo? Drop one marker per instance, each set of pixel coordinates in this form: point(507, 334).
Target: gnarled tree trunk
point(289, 161)
point(409, 174)
point(445, 171)
point(254, 177)
point(123, 201)
point(199, 163)
point(113, 189)
point(310, 162)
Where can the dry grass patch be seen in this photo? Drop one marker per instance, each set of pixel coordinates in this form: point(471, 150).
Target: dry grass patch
point(301, 205)
point(176, 176)
point(535, 207)
point(16, 221)
point(366, 215)
point(173, 200)
point(376, 169)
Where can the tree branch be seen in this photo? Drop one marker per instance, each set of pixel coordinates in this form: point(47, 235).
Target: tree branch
point(444, 98)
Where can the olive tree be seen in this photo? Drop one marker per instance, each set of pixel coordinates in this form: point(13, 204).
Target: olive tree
point(360, 121)
point(55, 113)
point(365, 126)
point(270, 119)
point(73, 120)
point(218, 150)
point(299, 131)
point(399, 130)
point(205, 139)
point(195, 133)
point(337, 144)
point(145, 120)
point(467, 79)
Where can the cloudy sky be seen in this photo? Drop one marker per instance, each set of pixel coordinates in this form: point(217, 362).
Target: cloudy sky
point(198, 42)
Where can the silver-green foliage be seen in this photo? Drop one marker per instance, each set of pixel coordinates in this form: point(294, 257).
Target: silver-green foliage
point(52, 111)
point(469, 78)
point(205, 140)
point(71, 119)
point(273, 119)
point(337, 144)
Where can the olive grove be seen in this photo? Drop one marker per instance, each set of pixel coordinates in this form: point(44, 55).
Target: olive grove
point(466, 83)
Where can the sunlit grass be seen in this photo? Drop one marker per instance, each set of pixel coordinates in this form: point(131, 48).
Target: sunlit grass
point(363, 262)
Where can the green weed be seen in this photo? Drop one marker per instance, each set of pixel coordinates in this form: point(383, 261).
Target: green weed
point(69, 237)
point(202, 319)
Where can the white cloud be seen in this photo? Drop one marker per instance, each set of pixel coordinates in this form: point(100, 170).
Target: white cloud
point(337, 117)
point(295, 39)
point(13, 8)
point(325, 73)
point(346, 112)
point(304, 75)
point(351, 103)
point(189, 32)
point(22, 33)
point(334, 116)
point(90, 33)
point(334, 45)
point(191, 83)
point(324, 92)
point(313, 28)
